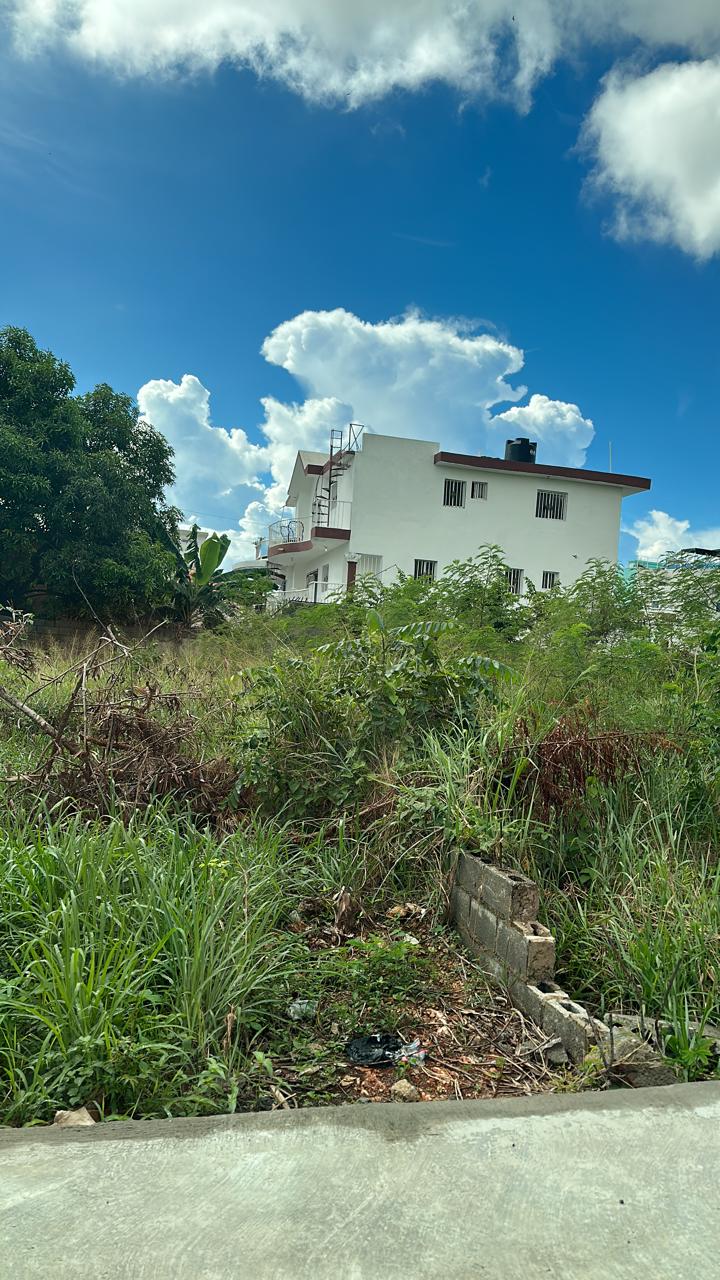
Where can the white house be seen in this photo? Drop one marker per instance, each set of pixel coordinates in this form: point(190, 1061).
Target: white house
point(380, 504)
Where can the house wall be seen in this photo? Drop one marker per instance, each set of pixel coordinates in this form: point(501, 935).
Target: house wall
point(297, 571)
point(398, 513)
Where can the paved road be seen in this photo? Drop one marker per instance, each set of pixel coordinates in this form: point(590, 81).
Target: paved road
point(615, 1186)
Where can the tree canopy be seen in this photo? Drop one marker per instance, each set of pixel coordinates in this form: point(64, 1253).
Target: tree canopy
point(82, 483)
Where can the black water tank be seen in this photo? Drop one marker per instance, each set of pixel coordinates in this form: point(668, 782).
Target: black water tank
point(520, 450)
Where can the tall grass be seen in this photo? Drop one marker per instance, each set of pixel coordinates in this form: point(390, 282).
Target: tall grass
point(123, 949)
point(144, 959)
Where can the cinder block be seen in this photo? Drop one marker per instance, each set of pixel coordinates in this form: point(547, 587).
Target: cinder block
point(469, 873)
point(573, 1024)
point(527, 948)
point(483, 926)
point(510, 894)
point(459, 907)
point(530, 998)
point(488, 963)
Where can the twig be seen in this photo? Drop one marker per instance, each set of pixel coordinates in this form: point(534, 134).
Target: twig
point(41, 723)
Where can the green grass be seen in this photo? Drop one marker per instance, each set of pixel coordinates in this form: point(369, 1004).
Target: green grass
point(146, 958)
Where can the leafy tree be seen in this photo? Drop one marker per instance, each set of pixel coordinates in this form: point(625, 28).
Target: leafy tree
point(249, 587)
point(82, 481)
point(607, 602)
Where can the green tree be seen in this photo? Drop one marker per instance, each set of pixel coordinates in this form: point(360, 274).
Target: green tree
point(82, 482)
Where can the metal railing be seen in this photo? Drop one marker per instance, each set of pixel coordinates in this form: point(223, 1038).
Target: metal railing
point(283, 531)
point(335, 516)
point(316, 593)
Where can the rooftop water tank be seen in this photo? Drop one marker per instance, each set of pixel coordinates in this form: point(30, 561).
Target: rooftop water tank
point(520, 450)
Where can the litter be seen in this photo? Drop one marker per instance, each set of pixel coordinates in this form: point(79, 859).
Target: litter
point(299, 1009)
point(382, 1050)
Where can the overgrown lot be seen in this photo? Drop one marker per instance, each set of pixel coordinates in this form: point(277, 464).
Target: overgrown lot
point(195, 837)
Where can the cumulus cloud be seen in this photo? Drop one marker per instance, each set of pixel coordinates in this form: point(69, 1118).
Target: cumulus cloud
point(562, 433)
point(656, 143)
point(413, 377)
point(334, 51)
point(658, 534)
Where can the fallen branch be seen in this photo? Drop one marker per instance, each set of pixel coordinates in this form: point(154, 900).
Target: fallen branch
point(73, 748)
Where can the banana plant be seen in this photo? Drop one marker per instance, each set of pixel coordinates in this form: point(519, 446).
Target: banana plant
point(201, 598)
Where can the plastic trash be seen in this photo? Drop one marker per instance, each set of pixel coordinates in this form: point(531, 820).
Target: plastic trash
point(412, 1054)
point(382, 1050)
point(299, 1009)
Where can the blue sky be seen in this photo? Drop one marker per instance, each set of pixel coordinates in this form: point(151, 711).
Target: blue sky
point(419, 240)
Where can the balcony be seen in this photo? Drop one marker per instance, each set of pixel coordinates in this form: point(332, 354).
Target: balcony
point(316, 593)
point(286, 531)
point(330, 515)
point(287, 535)
point(326, 521)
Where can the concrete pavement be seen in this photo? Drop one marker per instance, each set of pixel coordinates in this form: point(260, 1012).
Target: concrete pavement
point(616, 1186)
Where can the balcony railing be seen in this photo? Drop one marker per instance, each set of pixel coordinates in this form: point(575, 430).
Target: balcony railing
point(283, 531)
point(316, 593)
point(336, 516)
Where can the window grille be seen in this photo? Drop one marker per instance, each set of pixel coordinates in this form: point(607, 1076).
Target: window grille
point(515, 581)
point(369, 565)
point(550, 504)
point(478, 489)
point(454, 493)
point(425, 568)
point(549, 579)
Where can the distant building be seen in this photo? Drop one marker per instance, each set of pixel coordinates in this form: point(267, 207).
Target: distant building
point(382, 504)
point(184, 531)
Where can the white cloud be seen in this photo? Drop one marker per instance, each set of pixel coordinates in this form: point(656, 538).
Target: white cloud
point(563, 434)
point(656, 142)
point(658, 534)
point(336, 51)
point(412, 377)
point(207, 458)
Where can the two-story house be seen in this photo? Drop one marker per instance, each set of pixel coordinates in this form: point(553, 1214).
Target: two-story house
point(382, 504)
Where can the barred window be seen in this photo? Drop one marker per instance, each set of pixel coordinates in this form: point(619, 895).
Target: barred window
point(550, 504)
point(515, 581)
point(549, 579)
point(478, 489)
point(370, 565)
point(454, 493)
point(425, 568)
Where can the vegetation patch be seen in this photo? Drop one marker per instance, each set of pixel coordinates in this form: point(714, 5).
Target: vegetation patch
point(198, 838)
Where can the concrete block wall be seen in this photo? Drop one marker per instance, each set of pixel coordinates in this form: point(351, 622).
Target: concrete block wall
point(495, 911)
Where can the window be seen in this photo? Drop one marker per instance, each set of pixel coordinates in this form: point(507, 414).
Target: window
point(369, 565)
point(550, 504)
point(549, 579)
point(515, 581)
point(426, 568)
point(324, 578)
point(478, 489)
point(454, 494)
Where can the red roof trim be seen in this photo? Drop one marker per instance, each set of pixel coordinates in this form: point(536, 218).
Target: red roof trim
point(321, 532)
point(315, 469)
point(537, 469)
point(282, 548)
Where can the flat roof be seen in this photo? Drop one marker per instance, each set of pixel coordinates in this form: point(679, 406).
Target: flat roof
point(482, 463)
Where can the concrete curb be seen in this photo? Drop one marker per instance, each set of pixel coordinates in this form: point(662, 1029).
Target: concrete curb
point(395, 1120)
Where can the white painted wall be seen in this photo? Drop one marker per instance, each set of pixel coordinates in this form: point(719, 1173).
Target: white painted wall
point(396, 491)
point(398, 513)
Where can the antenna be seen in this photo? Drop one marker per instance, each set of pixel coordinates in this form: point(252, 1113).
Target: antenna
point(609, 455)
